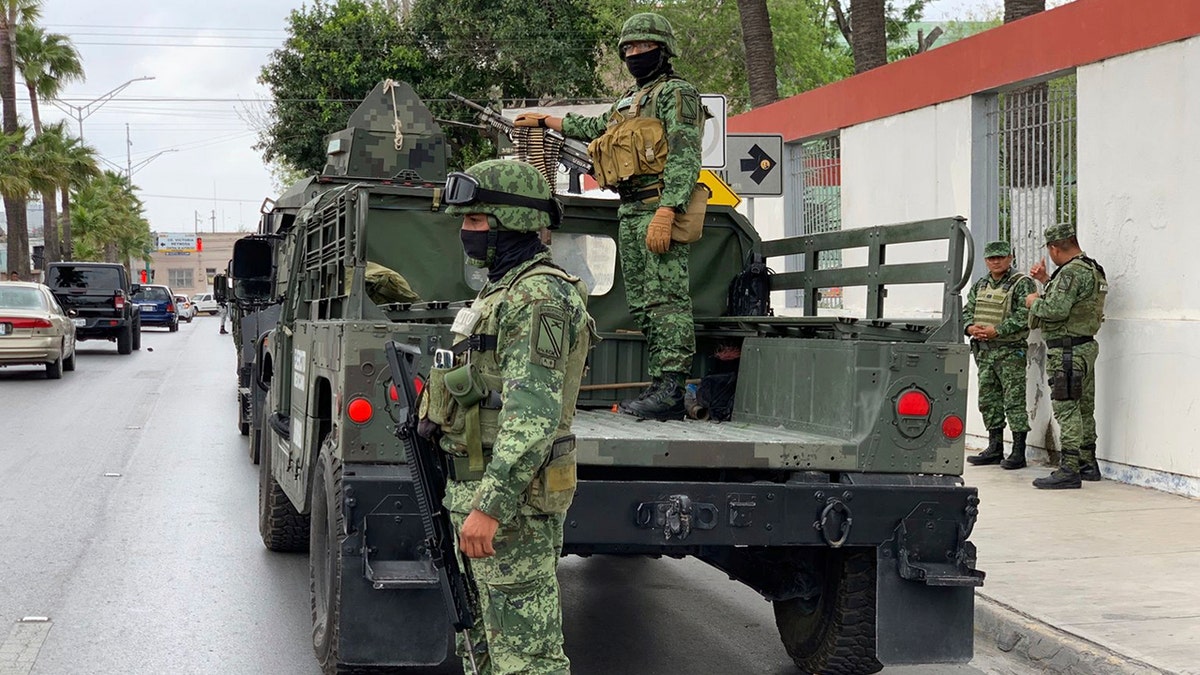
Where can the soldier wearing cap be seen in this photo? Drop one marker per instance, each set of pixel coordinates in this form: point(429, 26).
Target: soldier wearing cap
point(997, 323)
point(1070, 312)
point(503, 413)
point(647, 148)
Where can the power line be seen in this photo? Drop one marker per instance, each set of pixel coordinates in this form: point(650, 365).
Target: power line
point(210, 198)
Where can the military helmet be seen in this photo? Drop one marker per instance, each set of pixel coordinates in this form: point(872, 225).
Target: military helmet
point(513, 192)
point(648, 27)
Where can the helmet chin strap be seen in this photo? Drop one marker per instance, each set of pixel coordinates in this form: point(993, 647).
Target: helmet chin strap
point(492, 242)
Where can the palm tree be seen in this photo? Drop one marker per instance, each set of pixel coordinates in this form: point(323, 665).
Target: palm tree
point(15, 167)
point(49, 152)
point(868, 34)
point(1019, 9)
point(12, 14)
point(47, 61)
point(80, 162)
point(760, 51)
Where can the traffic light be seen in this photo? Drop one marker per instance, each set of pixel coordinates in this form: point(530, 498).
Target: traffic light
point(142, 274)
point(199, 244)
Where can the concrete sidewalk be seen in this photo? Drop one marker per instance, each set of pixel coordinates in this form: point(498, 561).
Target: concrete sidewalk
point(1110, 564)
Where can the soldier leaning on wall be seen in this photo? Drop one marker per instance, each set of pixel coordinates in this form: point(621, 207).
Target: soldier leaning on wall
point(1069, 313)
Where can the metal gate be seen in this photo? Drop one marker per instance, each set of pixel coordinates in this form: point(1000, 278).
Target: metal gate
point(1033, 160)
point(814, 205)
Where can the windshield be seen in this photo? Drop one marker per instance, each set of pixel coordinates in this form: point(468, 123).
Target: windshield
point(69, 276)
point(152, 294)
point(21, 298)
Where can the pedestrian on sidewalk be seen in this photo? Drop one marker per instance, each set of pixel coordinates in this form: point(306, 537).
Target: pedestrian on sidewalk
point(1069, 313)
point(998, 324)
point(223, 310)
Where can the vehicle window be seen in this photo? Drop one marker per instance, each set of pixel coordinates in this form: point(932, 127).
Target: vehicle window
point(21, 298)
point(69, 276)
point(152, 294)
point(591, 257)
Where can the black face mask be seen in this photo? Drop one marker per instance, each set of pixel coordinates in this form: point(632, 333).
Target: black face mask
point(475, 245)
point(645, 64)
point(499, 251)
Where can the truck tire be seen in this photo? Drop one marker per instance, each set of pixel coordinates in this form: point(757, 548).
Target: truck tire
point(125, 340)
point(244, 428)
point(834, 634)
point(137, 335)
point(325, 559)
point(282, 527)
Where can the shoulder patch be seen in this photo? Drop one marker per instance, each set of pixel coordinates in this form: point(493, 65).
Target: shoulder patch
point(687, 102)
point(548, 346)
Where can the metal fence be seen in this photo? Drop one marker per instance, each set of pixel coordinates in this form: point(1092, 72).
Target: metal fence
point(815, 196)
point(1033, 160)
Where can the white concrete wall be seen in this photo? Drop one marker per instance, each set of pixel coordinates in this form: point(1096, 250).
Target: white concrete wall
point(1139, 168)
point(908, 167)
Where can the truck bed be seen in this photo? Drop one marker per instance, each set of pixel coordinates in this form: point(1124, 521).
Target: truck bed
point(605, 438)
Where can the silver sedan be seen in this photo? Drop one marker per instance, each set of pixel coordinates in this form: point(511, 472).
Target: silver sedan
point(34, 329)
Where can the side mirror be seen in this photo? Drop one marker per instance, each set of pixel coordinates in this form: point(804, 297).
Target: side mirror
point(253, 269)
point(220, 286)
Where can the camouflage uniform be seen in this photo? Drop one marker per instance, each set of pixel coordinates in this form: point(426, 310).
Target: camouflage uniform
point(1069, 313)
point(656, 286)
point(1002, 360)
point(537, 316)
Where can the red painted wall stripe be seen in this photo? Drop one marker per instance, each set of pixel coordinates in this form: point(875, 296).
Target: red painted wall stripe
point(1076, 34)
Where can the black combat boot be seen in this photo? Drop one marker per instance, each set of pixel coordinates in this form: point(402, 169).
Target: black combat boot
point(624, 405)
point(995, 449)
point(1016, 458)
point(662, 403)
point(1089, 470)
point(1065, 477)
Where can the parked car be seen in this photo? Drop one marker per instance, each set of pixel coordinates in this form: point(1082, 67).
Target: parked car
point(158, 306)
point(206, 303)
point(35, 329)
point(100, 295)
point(184, 308)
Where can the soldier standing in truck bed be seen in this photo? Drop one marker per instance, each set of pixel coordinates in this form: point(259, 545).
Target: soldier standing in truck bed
point(997, 322)
point(1070, 313)
point(647, 148)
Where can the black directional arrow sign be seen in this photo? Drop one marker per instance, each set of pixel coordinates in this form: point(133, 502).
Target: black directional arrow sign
point(758, 164)
point(756, 172)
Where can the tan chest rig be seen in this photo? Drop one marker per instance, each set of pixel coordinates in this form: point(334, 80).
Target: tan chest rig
point(993, 305)
point(465, 400)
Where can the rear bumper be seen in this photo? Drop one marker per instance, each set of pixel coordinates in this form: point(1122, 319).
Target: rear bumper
point(101, 328)
point(158, 319)
point(29, 351)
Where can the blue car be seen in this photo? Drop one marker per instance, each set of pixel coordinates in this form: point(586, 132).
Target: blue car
point(157, 304)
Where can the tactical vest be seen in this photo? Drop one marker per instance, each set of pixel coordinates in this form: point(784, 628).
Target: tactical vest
point(635, 142)
point(465, 400)
point(1087, 314)
point(993, 305)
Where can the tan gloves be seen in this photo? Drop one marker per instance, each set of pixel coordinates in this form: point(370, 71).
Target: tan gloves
point(658, 234)
point(531, 119)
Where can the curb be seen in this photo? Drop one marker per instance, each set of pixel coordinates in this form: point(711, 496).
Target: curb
point(1050, 649)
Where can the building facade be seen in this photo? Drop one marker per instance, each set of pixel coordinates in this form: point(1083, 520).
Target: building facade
point(188, 272)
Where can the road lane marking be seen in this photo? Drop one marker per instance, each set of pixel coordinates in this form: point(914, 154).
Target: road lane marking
point(20, 651)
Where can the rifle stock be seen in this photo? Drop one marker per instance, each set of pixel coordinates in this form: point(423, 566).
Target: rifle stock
point(425, 463)
point(574, 155)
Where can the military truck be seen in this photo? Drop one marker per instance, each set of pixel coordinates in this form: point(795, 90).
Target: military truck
point(835, 490)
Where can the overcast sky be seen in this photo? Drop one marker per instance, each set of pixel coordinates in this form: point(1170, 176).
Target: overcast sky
point(205, 57)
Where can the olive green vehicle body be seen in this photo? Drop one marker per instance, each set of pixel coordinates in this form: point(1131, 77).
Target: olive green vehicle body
point(817, 460)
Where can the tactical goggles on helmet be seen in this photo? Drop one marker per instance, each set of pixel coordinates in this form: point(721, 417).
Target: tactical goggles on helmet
point(464, 190)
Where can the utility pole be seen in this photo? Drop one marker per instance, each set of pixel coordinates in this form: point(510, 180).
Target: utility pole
point(81, 112)
point(128, 154)
point(214, 221)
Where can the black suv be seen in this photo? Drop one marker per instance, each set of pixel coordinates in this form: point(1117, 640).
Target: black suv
point(101, 295)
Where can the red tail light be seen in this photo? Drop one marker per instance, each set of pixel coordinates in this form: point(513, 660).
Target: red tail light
point(913, 403)
point(360, 411)
point(170, 307)
point(119, 300)
point(27, 323)
point(393, 393)
point(952, 427)
point(418, 385)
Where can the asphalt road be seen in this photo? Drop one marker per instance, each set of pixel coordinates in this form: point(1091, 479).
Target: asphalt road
point(128, 523)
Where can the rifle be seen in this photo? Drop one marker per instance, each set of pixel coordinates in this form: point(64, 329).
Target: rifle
point(573, 154)
point(425, 463)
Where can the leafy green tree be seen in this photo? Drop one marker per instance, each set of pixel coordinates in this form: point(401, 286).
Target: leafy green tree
point(335, 53)
point(47, 62)
point(110, 220)
point(81, 165)
point(12, 14)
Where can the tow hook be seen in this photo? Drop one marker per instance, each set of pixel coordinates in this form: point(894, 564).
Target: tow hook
point(835, 522)
point(677, 515)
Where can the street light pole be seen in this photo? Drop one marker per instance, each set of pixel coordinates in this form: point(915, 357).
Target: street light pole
point(82, 112)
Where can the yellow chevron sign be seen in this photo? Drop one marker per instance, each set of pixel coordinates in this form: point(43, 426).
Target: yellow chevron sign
point(722, 194)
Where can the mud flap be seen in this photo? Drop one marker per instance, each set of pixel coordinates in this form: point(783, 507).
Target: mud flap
point(925, 581)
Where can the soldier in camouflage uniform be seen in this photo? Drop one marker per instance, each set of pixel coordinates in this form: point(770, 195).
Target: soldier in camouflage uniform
point(998, 325)
point(655, 127)
point(1070, 313)
point(505, 411)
